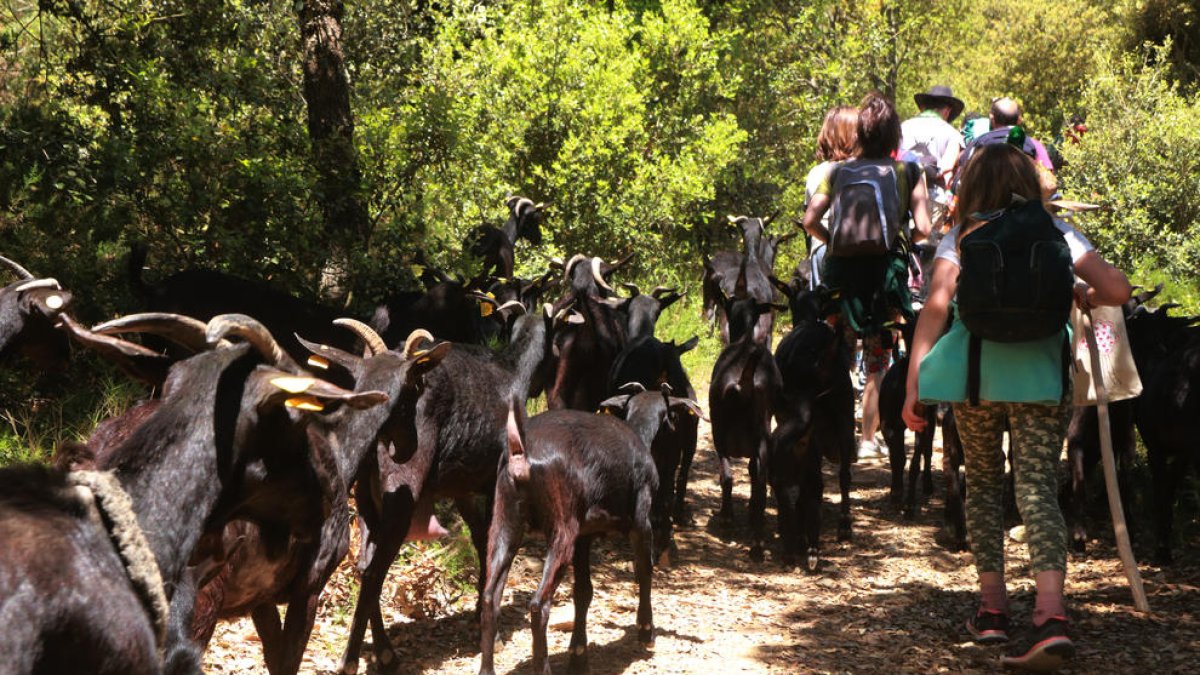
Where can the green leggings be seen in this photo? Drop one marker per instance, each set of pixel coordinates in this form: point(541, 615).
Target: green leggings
point(1037, 433)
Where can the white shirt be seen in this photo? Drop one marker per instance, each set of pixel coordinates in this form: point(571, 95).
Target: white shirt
point(930, 135)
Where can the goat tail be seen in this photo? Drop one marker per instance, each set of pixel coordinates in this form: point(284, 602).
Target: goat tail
point(135, 263)
point(518, 460)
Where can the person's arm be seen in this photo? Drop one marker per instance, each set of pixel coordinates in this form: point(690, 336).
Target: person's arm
point(817, 206)
point(929, 328)
point(919, 204)
point(948, 162)
point(1104, 284)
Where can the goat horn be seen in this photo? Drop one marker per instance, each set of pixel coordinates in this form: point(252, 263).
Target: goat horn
point(39, 283)
point(578, 257)
point(734, 220)
point(508, 201)
point(539, 206)
point(186, 331)
point(631, 387)
point(414, 340)
point(515, 304)
point(598, 276)
point(15, 268)
point(250, 330)
point(375, 344)
point(632, 288)
point(660, 291)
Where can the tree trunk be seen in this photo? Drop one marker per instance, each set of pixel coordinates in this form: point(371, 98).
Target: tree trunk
point(331, 130)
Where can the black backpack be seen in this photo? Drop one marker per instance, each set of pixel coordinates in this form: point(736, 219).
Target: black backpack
point(1015, 281)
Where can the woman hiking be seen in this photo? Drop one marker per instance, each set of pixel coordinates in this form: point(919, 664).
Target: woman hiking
point(869, 198)
point(1016, 384)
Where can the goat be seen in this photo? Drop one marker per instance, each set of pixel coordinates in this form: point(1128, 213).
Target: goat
point(586, 351)
point(892, 391)
point(575, 475)
point(722, 273)
point(494, 246)
point(742, 396)
point(451, 450)
point(814, 412)
point(1166, 350)
point(29, 310)
point(954, 515)
point(650, 362)
point(67, 588)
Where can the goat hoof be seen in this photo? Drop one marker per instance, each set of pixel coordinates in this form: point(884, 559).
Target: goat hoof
point(844, 532)
point(349, 668)
point(811, 561)
point(387, 656)
point(910, 511)
point(927, 486)
point(1079, 544)
point(578, 662)
point(646, 635)
point(756, 553)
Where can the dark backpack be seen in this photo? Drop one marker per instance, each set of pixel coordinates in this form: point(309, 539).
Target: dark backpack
point(1015, 281)
point(865, 217)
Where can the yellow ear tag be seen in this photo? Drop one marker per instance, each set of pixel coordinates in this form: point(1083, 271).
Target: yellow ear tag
point(305, 403)
point(54, 302)
point(293, 385)
point(418, 270)
point(318, 362)
point(485, 308)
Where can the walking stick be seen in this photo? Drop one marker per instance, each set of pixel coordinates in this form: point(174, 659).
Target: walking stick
point(1110, 473)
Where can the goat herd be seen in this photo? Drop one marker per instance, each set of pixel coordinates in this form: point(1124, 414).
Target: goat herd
point(227, 492)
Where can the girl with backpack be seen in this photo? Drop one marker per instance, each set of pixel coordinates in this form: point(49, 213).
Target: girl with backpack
point(869, 198)
point(1009, 373)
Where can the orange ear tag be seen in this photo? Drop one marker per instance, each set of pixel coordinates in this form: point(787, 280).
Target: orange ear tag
point(318, 362)
point(485, 308)
point(305, 403)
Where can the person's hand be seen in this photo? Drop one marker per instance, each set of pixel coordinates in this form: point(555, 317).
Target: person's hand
point(913, 413)
point(1081, 299)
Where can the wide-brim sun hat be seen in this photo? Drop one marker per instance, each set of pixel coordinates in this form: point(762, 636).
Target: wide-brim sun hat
point(938, 96)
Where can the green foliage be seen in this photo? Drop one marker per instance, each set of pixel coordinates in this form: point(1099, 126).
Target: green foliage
point(1141, 160)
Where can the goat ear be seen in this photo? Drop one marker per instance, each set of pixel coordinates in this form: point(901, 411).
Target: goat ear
point(689, 345)
point(614, 405)
point(783, 287)
point(50, 301)
point(322, 355)
point(140, 363)
point(786, 236)
point(311, 393)
point(428, 358)
point(688, 404)
point(633, 289)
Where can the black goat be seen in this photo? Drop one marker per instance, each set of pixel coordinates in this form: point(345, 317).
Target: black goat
point(575, 475)
point(892, 391)
point(29, 310)
point(451, 450)
point(955, 510)
point(742, 396)
point(585, 351)
point(721, 274)
point(814, 413)
point(494, 246)
point(1167, 352)
point(80, 608)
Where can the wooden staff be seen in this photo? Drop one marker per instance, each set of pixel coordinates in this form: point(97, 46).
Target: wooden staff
point(1110, 473)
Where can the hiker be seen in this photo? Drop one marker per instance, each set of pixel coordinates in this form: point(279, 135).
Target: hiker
point(837, 142)
point(1005, 114)
point(932, 141)
point(869, 199)
point(1022, 385)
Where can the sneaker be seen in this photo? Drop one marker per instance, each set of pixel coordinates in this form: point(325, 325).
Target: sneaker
point(871, 450)
point(1046, 649)
point(988, 627)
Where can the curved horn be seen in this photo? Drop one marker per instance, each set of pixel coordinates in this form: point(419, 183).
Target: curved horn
point(38, 283)
point(660, 290)
point(578, 257)
point(375, 344)
point(251, 331)
point(512, 304)
point(631, 388)
point(539, 206)
point(184, 331)
point(598, 276)
point(632, 288)
point(414, 341)
point(16, 269)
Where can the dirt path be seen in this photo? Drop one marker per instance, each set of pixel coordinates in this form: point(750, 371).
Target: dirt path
point(890, 601)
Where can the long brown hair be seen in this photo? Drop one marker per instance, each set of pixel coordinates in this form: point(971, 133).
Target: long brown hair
point(838, 139)
point(993, 175)
point(878, 127)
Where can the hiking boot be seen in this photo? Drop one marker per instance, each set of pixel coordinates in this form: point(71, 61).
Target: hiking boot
point(1045, 649)
point(988, 627)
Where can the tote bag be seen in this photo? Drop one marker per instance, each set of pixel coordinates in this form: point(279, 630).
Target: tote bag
point(1116, 359)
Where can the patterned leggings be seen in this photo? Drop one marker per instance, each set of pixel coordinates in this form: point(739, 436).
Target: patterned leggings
point(1037, 436)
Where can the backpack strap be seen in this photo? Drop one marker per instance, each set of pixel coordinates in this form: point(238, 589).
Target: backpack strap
point(974, 350)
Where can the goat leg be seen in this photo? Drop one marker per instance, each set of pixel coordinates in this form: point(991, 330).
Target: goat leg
point(582, 596)
point(557, 556)
point(478, 520)
point(642, 540)
point(504, 539)
point(845, 531)
point(758, 501)
point(682, 515)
